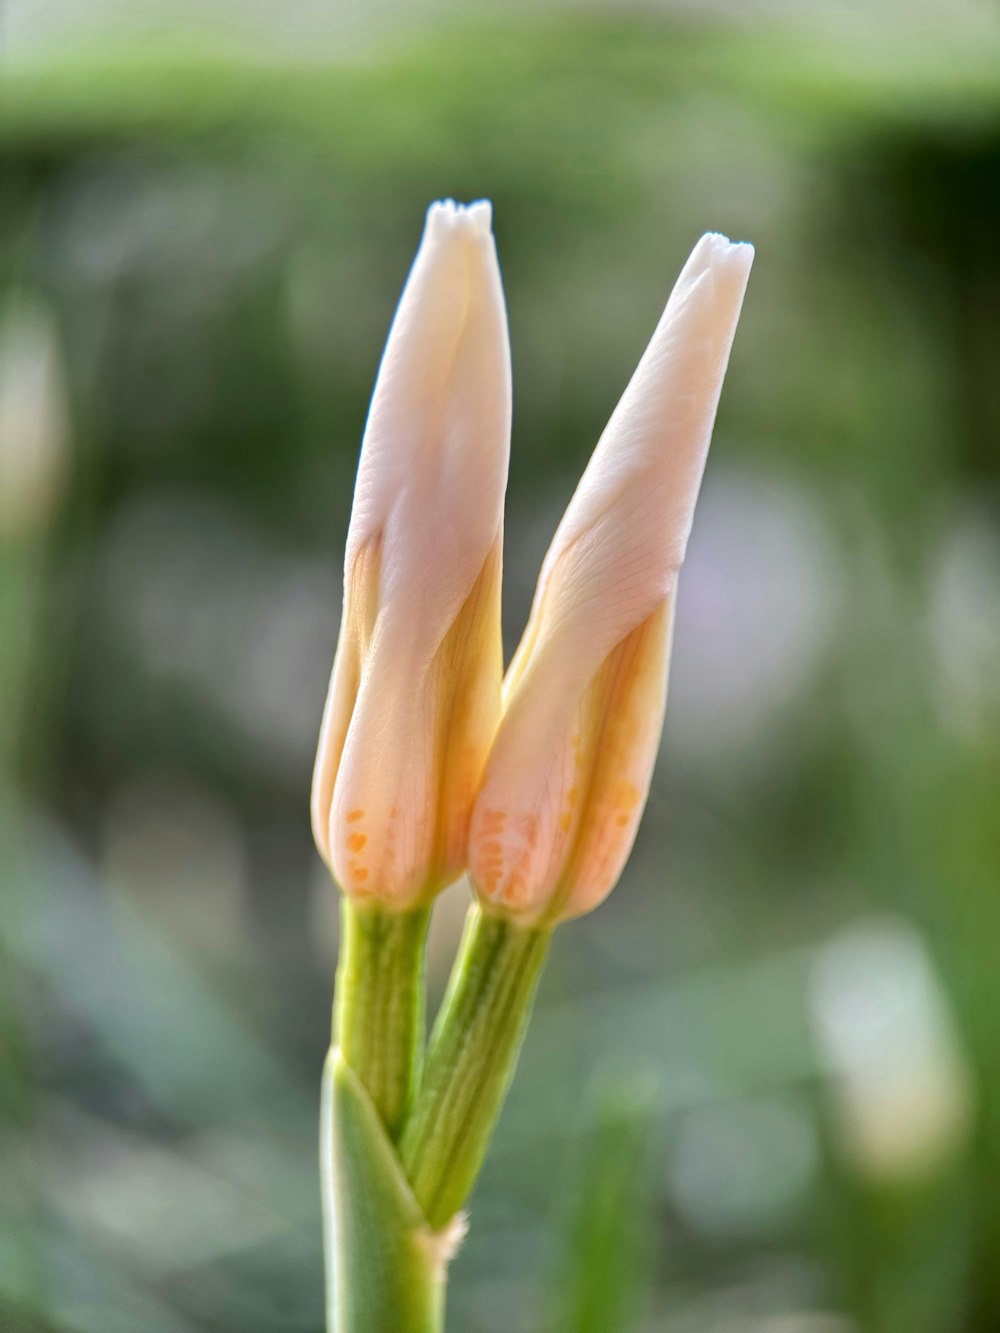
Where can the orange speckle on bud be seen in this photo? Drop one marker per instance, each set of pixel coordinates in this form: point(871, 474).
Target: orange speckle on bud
point(514, 895)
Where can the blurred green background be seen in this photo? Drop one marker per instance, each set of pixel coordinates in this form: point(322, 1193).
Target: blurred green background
point(762, 1091)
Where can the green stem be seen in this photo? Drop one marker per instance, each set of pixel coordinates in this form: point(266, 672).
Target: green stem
point(470, 1061)
point(385, 1269)
point(378, 1019)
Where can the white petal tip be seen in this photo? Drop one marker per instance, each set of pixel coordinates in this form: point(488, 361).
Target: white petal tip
point(448, 217)
point(718, 251)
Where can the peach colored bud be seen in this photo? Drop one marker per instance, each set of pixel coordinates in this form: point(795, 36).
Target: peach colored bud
point(569, 771)
point(415, 692)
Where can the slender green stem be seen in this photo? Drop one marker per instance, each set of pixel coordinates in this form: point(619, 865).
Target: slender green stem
point(385, 1270)
point(470, 1061)
point(378, 1020)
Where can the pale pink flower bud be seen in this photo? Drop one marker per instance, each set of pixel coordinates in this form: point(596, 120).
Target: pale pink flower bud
point(415, 692)
point(569, 771)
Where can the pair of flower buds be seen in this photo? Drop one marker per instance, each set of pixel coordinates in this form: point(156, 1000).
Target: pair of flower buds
point(430, 761)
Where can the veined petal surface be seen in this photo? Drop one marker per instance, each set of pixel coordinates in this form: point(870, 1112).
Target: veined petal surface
point(414, 695)
point(569, 771)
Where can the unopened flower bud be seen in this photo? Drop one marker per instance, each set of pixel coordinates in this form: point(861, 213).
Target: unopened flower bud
point(569, 771)
point(415, 693)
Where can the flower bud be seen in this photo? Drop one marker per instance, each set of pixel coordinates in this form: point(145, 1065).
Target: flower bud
point(569, 771)
point(415, 692)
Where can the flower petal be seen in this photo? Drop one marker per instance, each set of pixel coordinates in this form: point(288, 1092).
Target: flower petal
point(570, 768)
point(419, 656)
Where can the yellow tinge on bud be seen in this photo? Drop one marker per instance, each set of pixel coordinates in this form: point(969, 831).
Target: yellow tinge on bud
point(569, 771)
point(414, 696)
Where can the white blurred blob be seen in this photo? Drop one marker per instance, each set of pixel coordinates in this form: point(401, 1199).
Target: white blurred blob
point(33, 418)
point(175, 850)
point(742, 1167)
point(34, 30)
point(201, 598)
point(965, 622)
point(902, 1090)
point(759, 605)
point(807, 1322)
point(778, 1293)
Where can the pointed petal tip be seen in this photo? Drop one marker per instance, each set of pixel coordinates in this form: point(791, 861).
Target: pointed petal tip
point(714, 257)
point(448, 217)
point(718, 250)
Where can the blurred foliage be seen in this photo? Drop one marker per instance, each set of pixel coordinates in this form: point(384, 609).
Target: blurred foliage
point(212, 246)
point(603, 1273)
